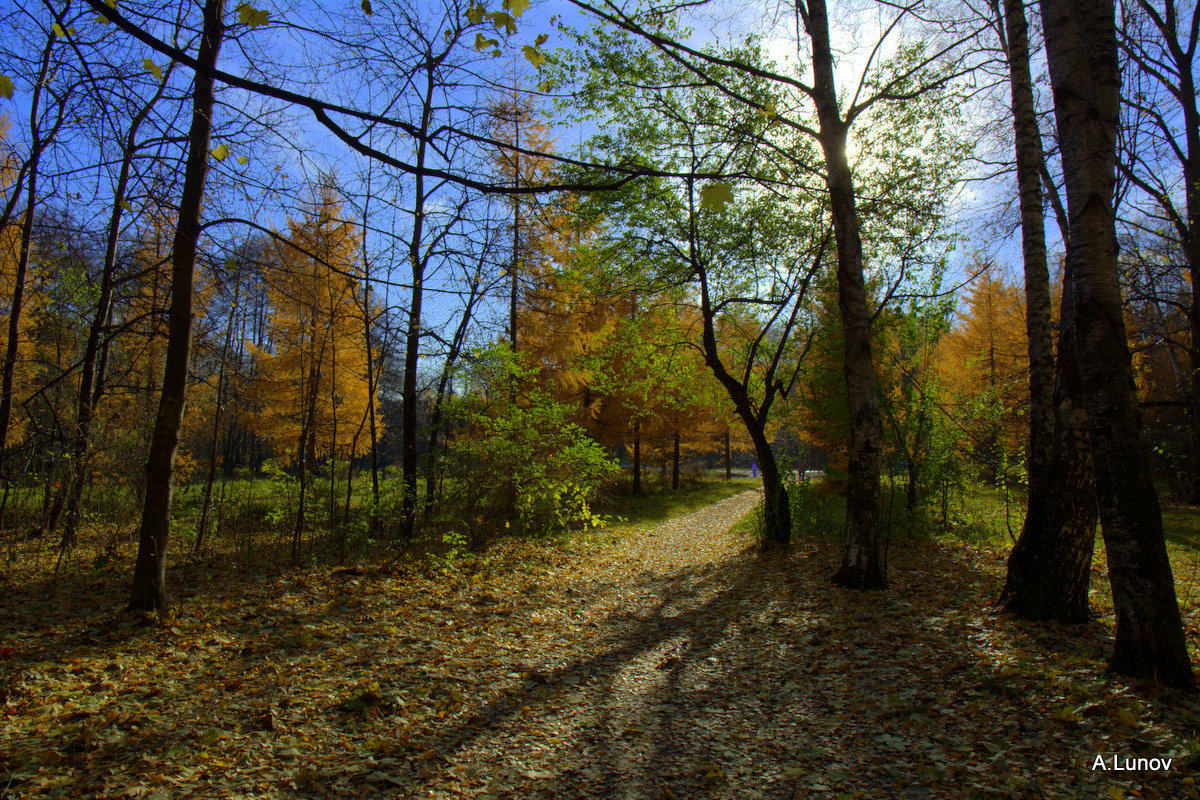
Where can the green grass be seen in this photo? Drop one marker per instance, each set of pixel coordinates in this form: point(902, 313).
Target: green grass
point(1181, 525)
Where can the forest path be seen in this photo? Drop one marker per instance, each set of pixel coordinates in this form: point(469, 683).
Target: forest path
point(685, 664)
point(658, 697)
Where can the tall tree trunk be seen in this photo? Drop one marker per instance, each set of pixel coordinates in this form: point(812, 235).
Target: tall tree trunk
point(1081, 50)
point(333, 430)
point(1050, 565)
point(16, 302)
point(408, 412)
point(675, 460)
point(1191, 241)
point(149, 573)
point(91, 370)
point(412, 343)
point(637, 456)
point(728, 457)
point(306, 449)
point(432, 471)
point(211, 475)
point(372, 374)
point(862, 559)
point(515, 267)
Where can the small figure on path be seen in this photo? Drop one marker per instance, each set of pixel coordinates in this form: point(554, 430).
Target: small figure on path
point(753, 469)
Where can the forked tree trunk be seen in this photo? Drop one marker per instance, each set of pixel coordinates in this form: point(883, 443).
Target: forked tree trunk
point(862, 559)
point(1049, 568)
point(1081, 50)
point(149, 573)
point(777, 518)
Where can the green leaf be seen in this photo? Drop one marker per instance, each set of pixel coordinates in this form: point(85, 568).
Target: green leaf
point(534, 55)
point(541, 39)
point(152, 68)
point(475, 14)
point(219, 153)
point(101, 20)
point(243, 160)
point(366, 7)
point(716, 195)
point(6, 87)
point(481, 42)
point(58, 31)
point(516, 7)
point(249, 15)
point(504, 22)
point(125, 205)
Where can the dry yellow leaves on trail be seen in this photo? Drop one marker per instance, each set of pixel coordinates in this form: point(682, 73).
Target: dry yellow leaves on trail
point(669, 662)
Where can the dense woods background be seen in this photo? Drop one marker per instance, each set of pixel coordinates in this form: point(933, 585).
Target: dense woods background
point(316, 282)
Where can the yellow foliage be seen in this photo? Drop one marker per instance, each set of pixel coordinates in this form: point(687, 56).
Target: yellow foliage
point(310, 388)
point(984, 361)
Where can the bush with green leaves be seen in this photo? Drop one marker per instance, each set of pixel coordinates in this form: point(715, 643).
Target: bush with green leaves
point(516, 461)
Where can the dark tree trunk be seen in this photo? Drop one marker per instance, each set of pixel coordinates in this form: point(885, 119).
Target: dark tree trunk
point(637, 457)
point(1049, 568)
point(862, 561)
point(307, 445)
point(1029, 158)
point(675, 461)
point(910, 489)
point(777, 512)
point(412, 339)
point(408, 507)
point(16, 301)
point(1081, 50)
point(371, 380)
point(728, 458)
point(149, 573)
point(444, 383)
point(777, 519)
point(211, 474)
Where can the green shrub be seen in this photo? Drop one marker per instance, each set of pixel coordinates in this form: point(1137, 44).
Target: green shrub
point(516, 461)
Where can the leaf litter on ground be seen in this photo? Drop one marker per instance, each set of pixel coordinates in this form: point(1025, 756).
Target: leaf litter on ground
point(668, 661)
